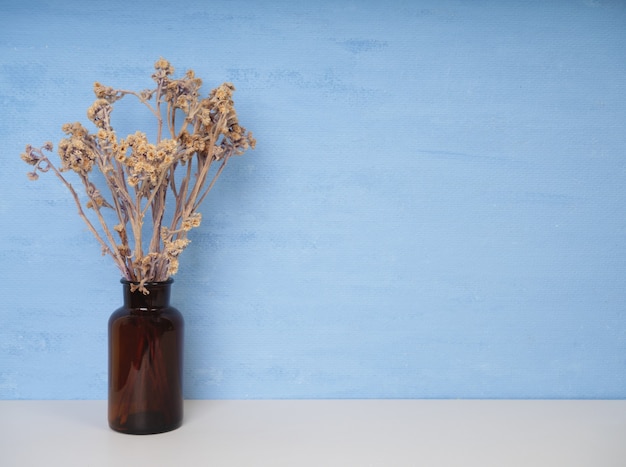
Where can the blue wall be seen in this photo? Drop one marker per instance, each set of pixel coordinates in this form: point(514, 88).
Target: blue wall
point(435, 209)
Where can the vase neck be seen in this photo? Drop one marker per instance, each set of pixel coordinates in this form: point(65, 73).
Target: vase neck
point(159, 296)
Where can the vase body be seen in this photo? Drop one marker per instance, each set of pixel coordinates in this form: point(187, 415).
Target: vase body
point(146, 338)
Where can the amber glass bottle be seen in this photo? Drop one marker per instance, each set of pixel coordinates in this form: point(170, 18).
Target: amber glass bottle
point(146, 338)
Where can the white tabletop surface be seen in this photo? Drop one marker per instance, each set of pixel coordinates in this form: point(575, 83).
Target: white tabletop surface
point(346, 433)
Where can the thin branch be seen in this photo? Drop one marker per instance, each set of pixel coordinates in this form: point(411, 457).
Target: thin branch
point(105, 247)
point(208, 188)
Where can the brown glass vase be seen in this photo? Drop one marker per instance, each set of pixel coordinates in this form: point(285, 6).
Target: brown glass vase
point(146, 338)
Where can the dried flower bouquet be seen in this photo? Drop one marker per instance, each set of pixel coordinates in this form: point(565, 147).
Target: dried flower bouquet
point(195, 137)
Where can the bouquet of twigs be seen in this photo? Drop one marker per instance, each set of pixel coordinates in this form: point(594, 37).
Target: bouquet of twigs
point(195, 137)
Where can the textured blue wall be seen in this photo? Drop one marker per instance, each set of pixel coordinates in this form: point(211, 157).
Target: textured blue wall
point(436, 207)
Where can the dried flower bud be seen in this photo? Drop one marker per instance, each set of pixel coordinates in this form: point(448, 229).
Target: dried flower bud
point(124, 250)
point(76, 155)
point(172, 267)
point(99, 113)
point(145, 95)
point(29, 158)
point(75, 129)
point(164, 66)
point(192, 222)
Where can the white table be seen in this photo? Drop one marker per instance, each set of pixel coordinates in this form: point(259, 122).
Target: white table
point(323, 433)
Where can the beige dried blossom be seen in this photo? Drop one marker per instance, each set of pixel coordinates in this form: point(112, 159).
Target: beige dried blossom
point(191, 222)
point(197, 134)
point(77, 155)
point(106, 92)
point(99, 113)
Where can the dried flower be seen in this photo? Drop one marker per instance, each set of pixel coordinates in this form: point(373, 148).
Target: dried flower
point(99, 113)
point(192, 222)
point(140, 175)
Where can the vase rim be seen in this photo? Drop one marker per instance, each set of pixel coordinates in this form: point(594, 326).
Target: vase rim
point(169, 280)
